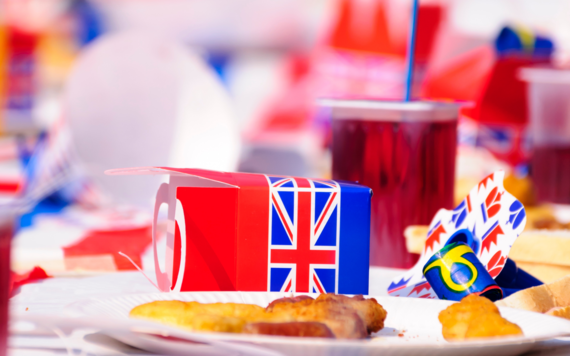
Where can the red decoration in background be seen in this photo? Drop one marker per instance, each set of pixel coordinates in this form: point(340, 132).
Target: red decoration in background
point(359, 44)
point(18, 280)
point(429, 18)
point(462, 78)
point(132, 242)
point(352, 33)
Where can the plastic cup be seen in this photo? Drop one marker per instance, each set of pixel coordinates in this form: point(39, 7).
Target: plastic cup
point(405, 152)
point(549, 127)
point(6, 231)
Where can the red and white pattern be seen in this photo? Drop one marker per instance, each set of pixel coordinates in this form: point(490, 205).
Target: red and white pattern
point(494, 217)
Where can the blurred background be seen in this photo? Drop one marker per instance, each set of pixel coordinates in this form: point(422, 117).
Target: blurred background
point(233, 85)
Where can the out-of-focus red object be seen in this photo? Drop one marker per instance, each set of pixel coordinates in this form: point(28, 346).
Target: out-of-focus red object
point(462, 78)
point(18, 280)
point(99, 250)
point(503, 98)
point(353, 34)
point(490, 81)
point(6, 232)
point(360, 57)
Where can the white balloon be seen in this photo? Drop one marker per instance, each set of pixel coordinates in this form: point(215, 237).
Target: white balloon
point(134, 99)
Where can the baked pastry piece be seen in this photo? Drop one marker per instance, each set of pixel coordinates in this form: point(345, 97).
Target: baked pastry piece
point(474, 317)
point(219, 317)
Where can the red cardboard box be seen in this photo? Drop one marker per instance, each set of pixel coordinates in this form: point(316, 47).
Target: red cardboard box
point(255, 232)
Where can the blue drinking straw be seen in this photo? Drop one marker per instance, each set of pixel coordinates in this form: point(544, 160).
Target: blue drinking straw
point(411, 47)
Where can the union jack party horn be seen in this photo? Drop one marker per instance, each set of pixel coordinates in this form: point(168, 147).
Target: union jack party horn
point(493, 217)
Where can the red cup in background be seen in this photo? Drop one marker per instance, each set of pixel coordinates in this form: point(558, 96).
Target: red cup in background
point(6, 231)
point(549, 128)
point(405, 152)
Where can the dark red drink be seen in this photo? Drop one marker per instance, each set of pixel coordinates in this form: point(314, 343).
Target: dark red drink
point(407, 158)
point(5, 237)
point(550, 171)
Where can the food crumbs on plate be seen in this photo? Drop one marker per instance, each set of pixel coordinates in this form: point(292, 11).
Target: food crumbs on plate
point(401, 334)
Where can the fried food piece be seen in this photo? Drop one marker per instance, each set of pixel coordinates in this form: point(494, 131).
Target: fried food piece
point(457, 319)
point(341, 319)
point(221, 317)
point(171, 312)
point(236, 310)
point(369, 310)
point(187, 315)
point(295, 328)
point(296, 299)
point(561, 312)
point(491, 325)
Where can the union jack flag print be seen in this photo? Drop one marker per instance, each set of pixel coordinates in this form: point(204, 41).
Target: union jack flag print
point(303, 235)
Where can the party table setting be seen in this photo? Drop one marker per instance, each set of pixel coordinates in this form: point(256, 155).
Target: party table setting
point(429, 213)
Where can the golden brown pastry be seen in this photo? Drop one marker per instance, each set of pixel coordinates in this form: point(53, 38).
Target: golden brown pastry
point(220, 317)
point(463, 320)
point(491, 325)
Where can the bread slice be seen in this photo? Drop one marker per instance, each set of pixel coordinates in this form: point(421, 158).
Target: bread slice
point(416, 238)
point(542, 246)
point(561, 312)
point(541, 298)
point(560, 289)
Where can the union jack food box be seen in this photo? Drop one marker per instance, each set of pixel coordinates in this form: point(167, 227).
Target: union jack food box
point(256, 232)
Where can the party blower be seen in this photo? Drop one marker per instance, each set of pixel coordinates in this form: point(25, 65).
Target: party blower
point(467, 248)
point(256, 232)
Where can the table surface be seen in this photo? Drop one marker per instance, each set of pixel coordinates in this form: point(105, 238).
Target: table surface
point(49, 297)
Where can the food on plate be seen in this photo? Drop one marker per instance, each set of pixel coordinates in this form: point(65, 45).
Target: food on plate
point(416, 236)
point(542, 253)
point(371, 313)
point(561, 312)
point(220, 317)
point(294, 328)
point(329, 314)
point(491, 325)
point(474, 317)
point(552, 298)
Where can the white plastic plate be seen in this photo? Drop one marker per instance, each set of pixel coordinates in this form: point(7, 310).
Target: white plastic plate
point(411, 328)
